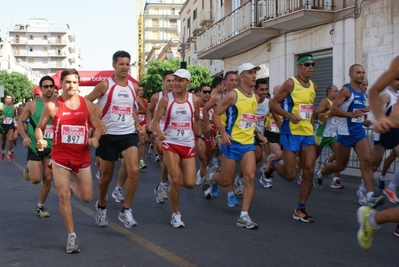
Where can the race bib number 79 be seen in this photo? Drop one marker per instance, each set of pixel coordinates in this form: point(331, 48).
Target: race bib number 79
point(180, 129)
point(71, 134)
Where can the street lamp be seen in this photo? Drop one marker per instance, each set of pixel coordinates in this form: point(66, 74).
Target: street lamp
point(169, 54)
point(9, 70)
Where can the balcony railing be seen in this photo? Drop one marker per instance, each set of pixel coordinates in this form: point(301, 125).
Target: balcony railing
point(205, 17)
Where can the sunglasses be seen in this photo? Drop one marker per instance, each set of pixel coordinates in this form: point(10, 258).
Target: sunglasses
point(308, 64)
point(46, 86)
point(206, 92)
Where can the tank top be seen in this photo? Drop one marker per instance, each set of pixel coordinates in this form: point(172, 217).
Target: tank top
point(261, 113)
point(179, 121)
point(328, 128)
point(162, 120)
point(117, 104)
point(241, 118)
point(299, 102)
point(271, 124)
point(34, 121)
point(71, 132)
point(352, 126)
point(142, 117)
point(8, 113)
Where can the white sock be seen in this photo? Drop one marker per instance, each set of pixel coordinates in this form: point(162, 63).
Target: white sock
point(72, 234)
point(381, 178)
point(369, 195)
point(243, 213)
point(372, 220)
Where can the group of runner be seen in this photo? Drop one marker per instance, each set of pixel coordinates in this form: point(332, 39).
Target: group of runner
point(232, 120)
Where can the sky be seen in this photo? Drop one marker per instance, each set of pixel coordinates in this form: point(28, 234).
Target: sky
point(101, 27)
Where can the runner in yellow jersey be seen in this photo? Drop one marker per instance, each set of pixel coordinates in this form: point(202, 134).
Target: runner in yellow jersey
point(294, 101)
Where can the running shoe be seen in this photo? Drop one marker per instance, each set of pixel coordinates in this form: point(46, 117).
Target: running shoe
point(336, 184)
point(176, 221)
point(157, 158)
point(232, 201)
point(98, 175)
point(266, 182)
point(127, 218)
point(381, 183)
point(198, 178)
point(117, 194)
point(366, 231)
point(3, 155)
point(142, 165)
point(214, 162)
point(26, 174)
point(214, 190)
point(375, 201)
point(301, 215)
point(149, 151)
point(158, 195)
point(101, 216)
point(239, 187)
point(72, 244)
point(362, 197)
point(318, 182)
point(206, 180)
point(42, 211)
point(390, 194)
point(10, 157)
point(246, 222)
point(396, 232)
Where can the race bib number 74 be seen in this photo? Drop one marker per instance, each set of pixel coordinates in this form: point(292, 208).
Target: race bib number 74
point(71, 134)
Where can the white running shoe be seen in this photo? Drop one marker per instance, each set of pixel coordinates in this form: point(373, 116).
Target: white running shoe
point(176, 221)
point(198, 178)
point(101, 216)
point(127, 218)
point(117, 194)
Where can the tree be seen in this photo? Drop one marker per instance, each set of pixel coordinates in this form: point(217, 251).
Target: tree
point(17, 85)
point(152, 80)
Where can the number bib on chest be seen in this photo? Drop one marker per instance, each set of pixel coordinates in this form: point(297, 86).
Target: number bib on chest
point(7, 120)
point(358, 119)
point(181, 129)
point(71, 134)
point(48, 132)
point(305, 111)
point(141, 117)
point(273, 126)
point(260, 121)
point(248, 121)
point(121, 113)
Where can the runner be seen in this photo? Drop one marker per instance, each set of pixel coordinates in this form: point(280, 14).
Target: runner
point(7, 127)
point(142, 111)
point(72, 116)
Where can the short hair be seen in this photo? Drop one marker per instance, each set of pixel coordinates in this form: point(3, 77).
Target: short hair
point(329, 88)
point(7, 94)
point(46, 78)
point(204, 85)
point(229, 73)
point(216, 81)
point(166, 73)
point(141, 85)
point(260, 81)
point(351, 69)
point(67, 72)
point(118, 54)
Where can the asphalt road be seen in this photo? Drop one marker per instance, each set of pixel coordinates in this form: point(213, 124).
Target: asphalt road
point(210, 237)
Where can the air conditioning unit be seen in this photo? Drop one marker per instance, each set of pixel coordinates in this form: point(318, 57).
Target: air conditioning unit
point(266, 9)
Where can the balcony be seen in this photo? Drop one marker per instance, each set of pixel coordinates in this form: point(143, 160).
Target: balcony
point(205, 17)
point(197, 28)
point(37, 42)
point(57, 42)
point(253, 24)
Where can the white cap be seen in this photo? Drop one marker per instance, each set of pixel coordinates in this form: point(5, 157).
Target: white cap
point(182, 73)
point(247, 66)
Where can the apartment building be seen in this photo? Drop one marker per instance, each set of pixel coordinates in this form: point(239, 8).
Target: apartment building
point(271, 33)
point(161, 24)
point(44, 46)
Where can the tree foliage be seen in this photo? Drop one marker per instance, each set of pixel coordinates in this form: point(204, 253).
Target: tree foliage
point(152, 80)
point(17, 85)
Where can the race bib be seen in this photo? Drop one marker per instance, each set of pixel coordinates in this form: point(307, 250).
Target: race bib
point(210, 112)
point(121, 113)
point(260, 121)
point(358, 119)
point(180, 129)
point(274, 127)
point(7, 120)
point(71, 134)
point(305, 111)
point(247, 121)
point(141, 117)
point(162, 123)
point(48, 132)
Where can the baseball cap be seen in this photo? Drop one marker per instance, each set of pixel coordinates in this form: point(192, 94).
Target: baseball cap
point(182, 73)
point(247, 66)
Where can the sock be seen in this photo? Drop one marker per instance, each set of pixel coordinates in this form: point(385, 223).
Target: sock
point(300, 206)
point(381, 178)
point(362, 187)
point(372, 220)
point(123, 209)
point(336, 179)
point(369, 195)
point(40, 204)
point(319, 175)
point(243, 213)
point(176, 212)
point(9, 152)
point(72, 234)
point(230, 193)
point(141, 160)
point(273, 163)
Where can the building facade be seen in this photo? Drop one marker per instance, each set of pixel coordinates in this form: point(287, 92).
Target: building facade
point(45, 47)
point(272, 33)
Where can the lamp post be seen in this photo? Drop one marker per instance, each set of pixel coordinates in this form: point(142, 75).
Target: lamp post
point(9, 70)
point(169, 54)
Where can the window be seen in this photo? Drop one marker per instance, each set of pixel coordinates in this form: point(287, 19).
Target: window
point(31, 61)
point(45, 37)
point(155, 23)
point(30, 37)
point(44, 49)
point(194, 14)
point(188, 23)
point(45, 61)
point(173, 11)
point(30, 49)
point(173, 23)
point(203, 4)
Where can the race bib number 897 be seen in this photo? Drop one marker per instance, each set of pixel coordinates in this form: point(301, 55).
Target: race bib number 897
point(71, 134)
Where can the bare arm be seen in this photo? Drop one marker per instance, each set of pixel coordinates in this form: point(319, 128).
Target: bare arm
point(322, 109)
point(48, 112)
point(98, 91)
point(26, 113)
point(150, 110)
point(226, 102)
point(205, 111)
point(157, 117)
point(281, 94)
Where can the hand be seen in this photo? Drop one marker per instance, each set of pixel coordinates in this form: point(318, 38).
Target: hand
point(261, 139)
point(93, 142)
point(201, 144)
point(149, 128)
point(140, 130)
point(294, 118)
point(162, 137)
point(26, 142)
point(323, 117)
point(226, 139)
point(358, 113)
point(367, 123)
point(103, 127)
point(383, 125)
point(41, 145)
